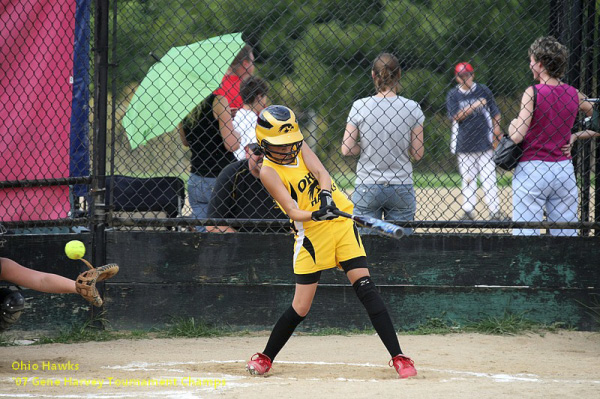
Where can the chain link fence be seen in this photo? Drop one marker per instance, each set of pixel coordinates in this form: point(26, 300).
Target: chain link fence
point(74, 153)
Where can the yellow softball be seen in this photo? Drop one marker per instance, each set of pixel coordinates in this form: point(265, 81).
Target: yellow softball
point(75, 249)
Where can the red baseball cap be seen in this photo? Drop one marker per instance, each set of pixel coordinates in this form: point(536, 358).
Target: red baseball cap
point(463, 67)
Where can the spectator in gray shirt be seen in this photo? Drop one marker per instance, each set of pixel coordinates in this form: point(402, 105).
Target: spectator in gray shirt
point(386, 130)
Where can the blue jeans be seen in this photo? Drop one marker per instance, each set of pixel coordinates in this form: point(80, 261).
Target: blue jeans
point(200, 190)
point(551, 185)
point(394, 201)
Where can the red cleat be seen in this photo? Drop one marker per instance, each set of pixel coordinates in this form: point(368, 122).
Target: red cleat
point(259, 364)
point(404, 366)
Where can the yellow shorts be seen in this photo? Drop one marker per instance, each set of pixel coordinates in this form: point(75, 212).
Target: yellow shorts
point(325, 244)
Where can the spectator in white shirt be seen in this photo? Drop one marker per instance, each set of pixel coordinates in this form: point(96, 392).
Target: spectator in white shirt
point(254, 95)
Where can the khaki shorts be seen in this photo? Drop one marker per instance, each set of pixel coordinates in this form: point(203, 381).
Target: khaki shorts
point(325, 244)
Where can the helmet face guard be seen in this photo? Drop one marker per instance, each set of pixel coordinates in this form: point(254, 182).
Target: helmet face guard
point(276, 154)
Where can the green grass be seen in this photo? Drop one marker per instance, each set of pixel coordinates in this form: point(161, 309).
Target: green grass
point(138, 334)
point(192, 328)
point(435, 325)
point(508, 324)
point(422, 180)
point(92, 331)
point(4, 341)
point(337, 331)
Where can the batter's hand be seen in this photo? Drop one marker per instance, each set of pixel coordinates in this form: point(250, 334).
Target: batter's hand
point(327, 207)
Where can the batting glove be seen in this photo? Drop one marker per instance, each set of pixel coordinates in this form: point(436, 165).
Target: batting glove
point(327, 208)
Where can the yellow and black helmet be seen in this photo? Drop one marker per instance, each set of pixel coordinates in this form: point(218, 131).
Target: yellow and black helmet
point(277, 126)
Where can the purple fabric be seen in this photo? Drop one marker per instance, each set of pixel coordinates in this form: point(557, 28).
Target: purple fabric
point(36, 60)
point(550, 128)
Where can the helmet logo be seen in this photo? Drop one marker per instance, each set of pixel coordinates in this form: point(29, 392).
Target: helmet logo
point(286, 128)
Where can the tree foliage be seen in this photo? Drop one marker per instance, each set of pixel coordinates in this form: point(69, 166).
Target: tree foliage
point(317, 54)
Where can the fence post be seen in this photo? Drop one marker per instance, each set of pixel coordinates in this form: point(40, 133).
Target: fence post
point(572, 37)
point(587, 66)
point(98, 208)
point(557, 18)
point(593, 9)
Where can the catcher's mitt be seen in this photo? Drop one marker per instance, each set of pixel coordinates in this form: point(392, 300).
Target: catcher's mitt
point(86, 281)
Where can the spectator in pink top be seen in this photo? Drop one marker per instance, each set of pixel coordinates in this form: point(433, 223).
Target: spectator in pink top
point(544, 178)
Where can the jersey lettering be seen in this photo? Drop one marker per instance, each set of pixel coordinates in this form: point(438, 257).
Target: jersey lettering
point(309, 181)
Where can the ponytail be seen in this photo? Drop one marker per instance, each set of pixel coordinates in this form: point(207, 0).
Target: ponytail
point(386, 72)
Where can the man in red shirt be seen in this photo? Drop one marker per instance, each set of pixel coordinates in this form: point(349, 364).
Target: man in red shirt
point(241, 68)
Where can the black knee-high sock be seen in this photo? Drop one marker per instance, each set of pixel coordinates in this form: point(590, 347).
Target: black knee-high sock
point(283, 330)
point(380, 318)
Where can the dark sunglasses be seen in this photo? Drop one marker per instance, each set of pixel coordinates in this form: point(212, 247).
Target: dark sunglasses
point(257, 151)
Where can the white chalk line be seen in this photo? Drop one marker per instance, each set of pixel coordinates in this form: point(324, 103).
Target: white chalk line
point(146, 394)
point(498, 377)
point(235, 381)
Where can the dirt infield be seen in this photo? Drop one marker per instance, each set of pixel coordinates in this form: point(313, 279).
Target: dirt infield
point(445, 203)
point(556, 365)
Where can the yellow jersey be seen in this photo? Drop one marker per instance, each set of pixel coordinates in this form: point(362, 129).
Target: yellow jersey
point(304, 189)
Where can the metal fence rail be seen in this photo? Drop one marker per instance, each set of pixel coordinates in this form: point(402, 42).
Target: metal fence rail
point(62, 167)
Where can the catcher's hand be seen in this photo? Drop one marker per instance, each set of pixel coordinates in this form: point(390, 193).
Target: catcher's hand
point(86, 281)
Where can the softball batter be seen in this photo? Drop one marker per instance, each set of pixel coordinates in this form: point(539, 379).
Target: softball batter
point(302, 187)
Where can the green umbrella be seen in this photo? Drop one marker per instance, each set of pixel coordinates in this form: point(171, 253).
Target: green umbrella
point(176, 84)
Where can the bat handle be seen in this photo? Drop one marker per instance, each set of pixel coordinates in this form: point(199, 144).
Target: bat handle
point(343, 214)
